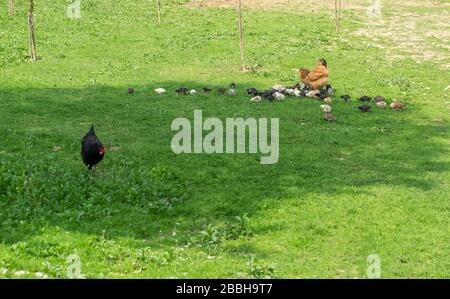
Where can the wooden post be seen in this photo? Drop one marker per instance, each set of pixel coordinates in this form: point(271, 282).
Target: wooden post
point(31, 36)
point(241, 34)
point(337, 13)
point(158, 5)
point(11, 7)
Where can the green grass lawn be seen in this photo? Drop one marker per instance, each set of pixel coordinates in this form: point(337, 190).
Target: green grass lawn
point(370, 183)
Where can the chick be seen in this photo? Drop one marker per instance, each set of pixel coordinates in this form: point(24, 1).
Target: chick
point(326, 108)
point(323, 94)
point(290, 91)
point(279, 96)
point(182, 91)
point(328, 116)
point(279, 88)
point(330, 89)
point(268, 95)
point(232, 92)
point(256, 99)
point(221, 91)
point(365, 99)
point(130, 90)
point(381, 104)
point(397, 106)
point(328, 101)
point(297, 93)
point(345, 97)
point(364, 108)
point(252, 92)
point(193, 92)
point(160, 90)
point(206, 89)
point(379, 99)
point(312, 93)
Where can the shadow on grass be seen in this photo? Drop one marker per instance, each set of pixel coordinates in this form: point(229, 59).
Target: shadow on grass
point(142, 187)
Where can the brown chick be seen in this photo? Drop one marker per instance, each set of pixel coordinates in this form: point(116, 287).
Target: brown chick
point(397, 106)
point(328, 116)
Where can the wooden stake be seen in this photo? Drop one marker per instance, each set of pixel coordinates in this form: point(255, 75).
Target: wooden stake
point(31, 36)
point(337, 13)
point(158, 4)
point(11, 7)
point(241, 34)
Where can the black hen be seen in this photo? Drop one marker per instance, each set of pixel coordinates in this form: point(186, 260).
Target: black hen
point(92, 150)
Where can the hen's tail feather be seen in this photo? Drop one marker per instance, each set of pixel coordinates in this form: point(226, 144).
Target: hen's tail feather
point(92, 130)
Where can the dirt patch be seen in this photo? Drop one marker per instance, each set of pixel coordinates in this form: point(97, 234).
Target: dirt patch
point(421, 35)
point(406, 29)
point(301, 5)
point(315, 5)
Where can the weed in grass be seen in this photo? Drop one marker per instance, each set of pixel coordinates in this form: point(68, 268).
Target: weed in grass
point(260, 270)
point(239, 228)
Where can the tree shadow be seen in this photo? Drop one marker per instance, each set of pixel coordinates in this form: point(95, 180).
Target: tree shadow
point(357, 152)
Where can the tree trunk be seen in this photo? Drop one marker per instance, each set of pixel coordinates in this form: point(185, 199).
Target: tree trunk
point(241, 34)
point(31, 37)
point(158, 5)
point(11, 7)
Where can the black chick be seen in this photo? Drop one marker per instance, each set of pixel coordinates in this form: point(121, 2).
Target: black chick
point(252, 92)
point(296, 86)
point(130, 90)
point(182, 91)
point(206, 89)
point(323, 94)
point(345, 97)
point(268, 95)
point(92, 150)
point(330, 90)
point(365, 99)
point(364, 108)
point(232, 85)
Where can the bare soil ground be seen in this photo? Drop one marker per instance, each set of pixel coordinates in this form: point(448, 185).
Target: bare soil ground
point(305, 5)
point(418, 30)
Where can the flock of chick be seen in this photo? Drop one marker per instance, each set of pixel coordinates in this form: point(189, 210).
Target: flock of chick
point(93, 151)
point(279, 93)
point(231, 90)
